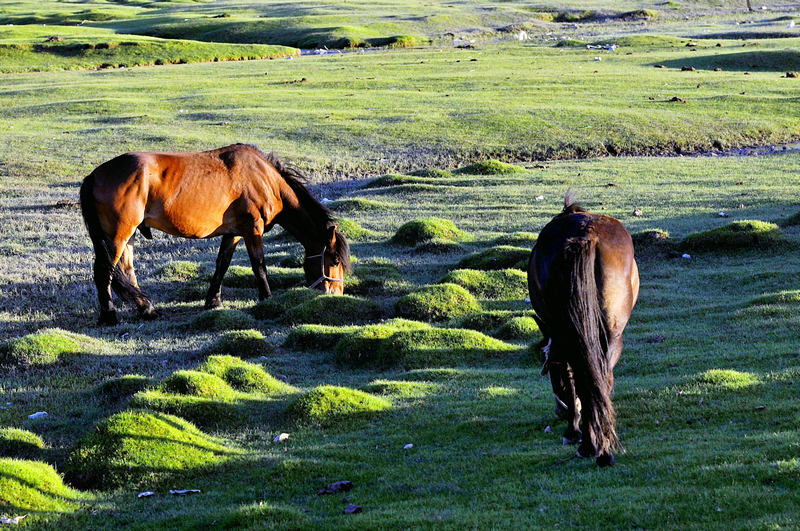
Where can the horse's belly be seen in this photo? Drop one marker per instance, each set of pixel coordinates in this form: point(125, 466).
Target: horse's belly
point(187, 226)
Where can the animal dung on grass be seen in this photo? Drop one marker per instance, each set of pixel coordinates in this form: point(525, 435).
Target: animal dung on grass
point(244, 343)
point(45, 347)
point(328, 404)
point(135, 448)
point(18, 443)
point(422, 230)
point(36, 487)
point(498, 284)
point(223, 319)
point(498, 257)
point(438, 302)
point(745, 234)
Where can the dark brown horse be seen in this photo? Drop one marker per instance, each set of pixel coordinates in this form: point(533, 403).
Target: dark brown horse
point(583, 283)
point(236, 192)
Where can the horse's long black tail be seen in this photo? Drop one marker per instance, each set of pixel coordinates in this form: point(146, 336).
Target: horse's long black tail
point(587, 356)
point(119, 281)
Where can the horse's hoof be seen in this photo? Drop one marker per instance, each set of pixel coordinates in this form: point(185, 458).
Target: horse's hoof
point(108, 318)
point(585, 450)
point(605, 460)
point(566, 441)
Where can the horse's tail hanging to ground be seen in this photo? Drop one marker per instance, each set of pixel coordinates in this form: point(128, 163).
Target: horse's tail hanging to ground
point(119, 281)
point(587, 357)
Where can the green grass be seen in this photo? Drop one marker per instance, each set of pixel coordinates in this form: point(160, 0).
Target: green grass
point(15, 442)
point(490, 167)
point(44, 347)
point(497, 257)
point(122, 387)
point(745, 234)
point(519, 328)
point(334, 310)
point(327, 404)
point(32, 486)
point(243, 343)
point(437, 303)
point(222, 319)
point(419, 231)
point(197, 383)
point(244, 376)
point(282, 302)
point(499, 284)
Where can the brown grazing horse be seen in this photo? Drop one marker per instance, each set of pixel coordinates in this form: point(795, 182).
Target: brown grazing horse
point(583, 284)
point(236, 192)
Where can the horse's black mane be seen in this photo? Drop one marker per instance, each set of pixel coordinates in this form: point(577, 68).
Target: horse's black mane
point(319, 212)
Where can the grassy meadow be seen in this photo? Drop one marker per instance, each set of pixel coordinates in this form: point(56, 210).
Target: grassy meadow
point(421, 385)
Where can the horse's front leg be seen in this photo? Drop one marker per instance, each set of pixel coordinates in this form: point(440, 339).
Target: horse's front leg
point(226, 249)
point(255, 248)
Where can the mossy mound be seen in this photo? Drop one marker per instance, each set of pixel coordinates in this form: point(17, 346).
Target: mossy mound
point(487, 321)
point(650, 238)
point(355, 232)
point(373, 277)
point(520, 328)
point(205, 412)
point(782, 297)
point(334, 310)
point(15, 442)
point(34, 486)
point(316, 337)
point(519, 239)
point(747, 234)
point(437, 303)
point(497, 257)
point(180, 271)
point(400, 389)
point(791, 221)
point(278, 277)
point(363, 346)
point(44, 347)
point(244, 376)
point(392, 179)
point(280, 303)
point(414, 349)
point(198, 383)
point(360, 204)
point(499, 284)
point(421, 230)
point(433, 173)
point(223, 319)
point(243, 343)
point(135, 448)
point(438, 246)
point(729, 379)
point(122, 387)
point(490, 167)
point(328, 404)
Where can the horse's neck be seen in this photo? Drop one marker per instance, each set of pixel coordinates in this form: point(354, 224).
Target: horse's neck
point(299, 223)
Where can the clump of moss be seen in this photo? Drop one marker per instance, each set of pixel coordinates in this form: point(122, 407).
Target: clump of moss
point(433, 173)
point(437, 303)
point(747, 234)
point(438, 246)
point(122, 387)
point(360, 204)
point(353, 231)
point(180, 271)
point(134, 448)
point(334, 310)
point(521, 328)
point(490, 167)
point(500, 284)
point(280, 303)
point(376, 276)
point(316, 337)
point(244, 376)
point(520, 238)
point(223, 319)
point(15, 442)
point(498, 257)
point(400, 389)
point(327, 404)
point(782, 297)
point(421, 230)
point(44, 347)
point(243, 343)
point(34, 486)
point(442, 346)
point(729, 379)
point(197, 383)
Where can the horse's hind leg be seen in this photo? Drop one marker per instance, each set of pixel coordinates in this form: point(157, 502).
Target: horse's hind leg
point(567, 403)
point(255, 248)
point(127, 287)
point(226, 249)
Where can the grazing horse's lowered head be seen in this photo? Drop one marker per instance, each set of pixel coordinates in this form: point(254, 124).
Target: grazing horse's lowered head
point(583, 283)
point(236, 192)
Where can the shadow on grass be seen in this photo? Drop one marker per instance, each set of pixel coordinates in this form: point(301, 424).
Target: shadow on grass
point(768, 60)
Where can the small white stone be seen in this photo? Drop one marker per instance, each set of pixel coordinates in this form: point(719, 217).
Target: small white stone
point(409, 446)
point(687, 256)
point(38, 415)
point(280, 438)
point(548, 430)
point(146, 494)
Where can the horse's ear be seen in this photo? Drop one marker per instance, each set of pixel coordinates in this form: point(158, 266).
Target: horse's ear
point(331, 236)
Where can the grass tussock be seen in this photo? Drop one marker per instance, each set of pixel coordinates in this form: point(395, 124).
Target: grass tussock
point(282, 302)
point(422, 230)
point(746, 234)
point(278, 277)
point(18, 443)
point(401, 389)
point(373, 277)
point(44, 347)
point(500, 284)
point(729, 379)
point(360, 204)
point(197, 383)
point(316, 337)
point(437, 303)
point(519, 328)
point(432, 347)
point(490, 167)
point(354, 231)
point(244, 343)
point(367, 345)
point(497, 257)
point(244, 376)
point(393, 179)
point(223, 319)
point(122, 387)
point(438, 246)
point(517, 239)
point(328, 404)
point(135, 448)
point(180, 271)
point(781, 297)
point(334, 310)
point(36, 487)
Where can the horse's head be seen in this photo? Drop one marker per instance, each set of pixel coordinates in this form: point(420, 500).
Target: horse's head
point(325, 270)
